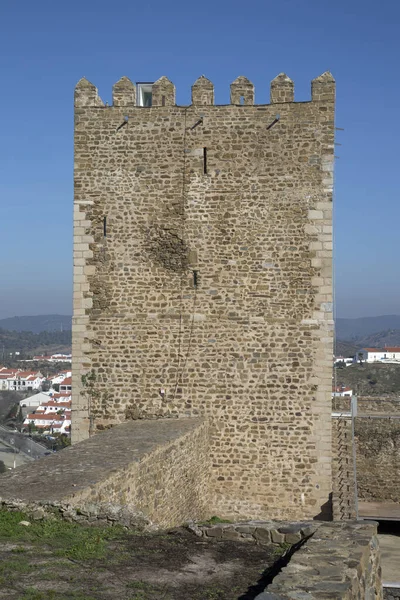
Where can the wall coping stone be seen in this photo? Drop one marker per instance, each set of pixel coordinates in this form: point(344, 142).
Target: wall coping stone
point(259, 532)
point(340, 561)
point(60, 476)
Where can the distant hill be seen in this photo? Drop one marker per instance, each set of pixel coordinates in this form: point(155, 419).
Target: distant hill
point(372, 379)
point(37, 324)
point(355, 329)
point(375, 340)
point(29, 343)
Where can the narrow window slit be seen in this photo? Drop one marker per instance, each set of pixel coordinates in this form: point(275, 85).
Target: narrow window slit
point(104, 226)
point(205, 161)
point(163, 100)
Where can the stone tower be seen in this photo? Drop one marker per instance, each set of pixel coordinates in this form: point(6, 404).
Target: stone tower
point(203, 279)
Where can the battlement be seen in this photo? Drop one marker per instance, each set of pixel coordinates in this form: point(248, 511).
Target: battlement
point(242, 92)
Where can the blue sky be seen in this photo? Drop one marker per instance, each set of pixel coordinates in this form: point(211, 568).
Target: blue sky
point(46, 46)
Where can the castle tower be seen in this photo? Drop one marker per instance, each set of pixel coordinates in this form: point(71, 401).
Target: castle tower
point(203, 279)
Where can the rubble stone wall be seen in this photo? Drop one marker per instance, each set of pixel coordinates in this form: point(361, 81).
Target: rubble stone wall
point(378, 458)
point(153, 473)
point(341, 560)
point(203, 280)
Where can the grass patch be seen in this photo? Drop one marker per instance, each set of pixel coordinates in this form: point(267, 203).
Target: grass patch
point(215, 520)
point(9, 568)
point(34, 594)
point(70, 540)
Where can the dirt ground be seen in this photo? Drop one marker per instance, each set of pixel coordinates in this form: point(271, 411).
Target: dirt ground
point(61, 561)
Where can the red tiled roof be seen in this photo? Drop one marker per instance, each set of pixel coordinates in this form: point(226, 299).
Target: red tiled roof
point(61, 404)
point(391, 349)
point(67, 381)
point(373, 349)
point(48, 417)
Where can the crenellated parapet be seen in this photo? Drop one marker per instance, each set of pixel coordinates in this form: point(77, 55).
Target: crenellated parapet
point(202, 92)
point(86, 94)
point(282, 89)
point(124, 93)
point(163, 92)
point(323, 88)
point(241, 92)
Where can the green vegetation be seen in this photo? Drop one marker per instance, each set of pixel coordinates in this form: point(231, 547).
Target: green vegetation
point(68, 540)
point(37, 323)
point(57, 560)
point(34, 594)
point(29, 343)
point(215, 520)
point(3, 467)
point(370, 379)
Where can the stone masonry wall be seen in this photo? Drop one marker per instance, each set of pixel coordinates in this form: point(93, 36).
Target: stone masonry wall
point(343, 474)
point(203, 281)
point(341, 561)
point(378, 458)
point(155, 473)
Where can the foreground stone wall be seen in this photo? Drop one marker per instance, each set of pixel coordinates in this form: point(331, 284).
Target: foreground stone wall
point(390, 593)
point(203, 280)
point(341, 561)
point(149, 473)
point(378, 458)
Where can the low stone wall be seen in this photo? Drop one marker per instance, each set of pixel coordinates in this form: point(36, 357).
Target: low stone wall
point(152, 473)
point(378, 459)
point(341, 404)
point(391, 593)
point(259, 532)
point(341, 561)
point(368, 405)
point(384, 405)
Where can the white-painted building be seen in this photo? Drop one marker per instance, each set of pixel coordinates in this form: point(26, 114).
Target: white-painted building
point(59, 378)
point(342, 359)
point(66, 385)
point(49, 422)
point(341, 391)
point(389, 354)
point(35, 400)
point(21, 381)
point(25, 381)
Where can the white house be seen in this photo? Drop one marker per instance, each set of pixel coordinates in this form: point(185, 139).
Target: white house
point(343, 360)
point(52, 407)
point(25, 381)
point(49, 422)
point(341, 391)
point(35, 400)
point(17, 380)
point(388, 354)
point(66, 385)
point(59, 378)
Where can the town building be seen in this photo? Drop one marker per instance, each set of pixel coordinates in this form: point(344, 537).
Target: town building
point(388, 354)
point(341, 391)
point(21, 381)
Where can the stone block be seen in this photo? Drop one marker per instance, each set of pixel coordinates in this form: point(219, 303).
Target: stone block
point(262, 535)
point(277, 537)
